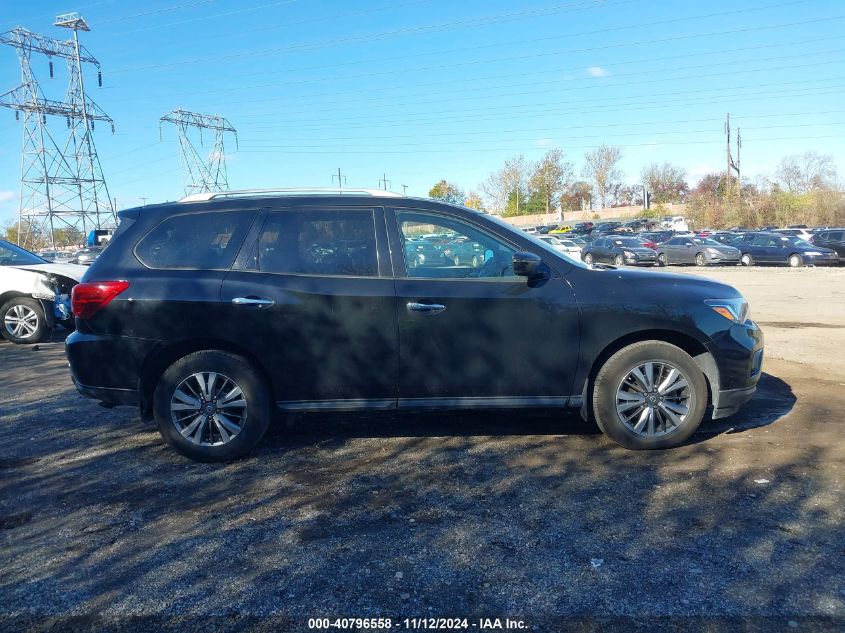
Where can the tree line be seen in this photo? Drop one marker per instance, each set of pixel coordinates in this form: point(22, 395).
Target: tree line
point(804, 189)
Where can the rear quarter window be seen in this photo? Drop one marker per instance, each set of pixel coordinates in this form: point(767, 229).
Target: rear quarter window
point(208, 241)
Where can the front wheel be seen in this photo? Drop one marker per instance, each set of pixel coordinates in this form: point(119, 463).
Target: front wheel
point(618, 261)
point(24, 321)
point(795, 261)
point(662, 260)
point(212, 406)
point(649, 395)
point(746, 260)
point(700, 259)
point(588, 259)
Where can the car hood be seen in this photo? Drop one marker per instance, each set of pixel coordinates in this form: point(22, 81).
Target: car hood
point(72, 271)
point(670, 286)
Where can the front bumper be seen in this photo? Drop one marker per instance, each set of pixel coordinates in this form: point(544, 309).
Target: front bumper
point(738, 353)
point(821, 260)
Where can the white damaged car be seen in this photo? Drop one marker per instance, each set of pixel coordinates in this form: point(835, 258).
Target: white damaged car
point(34, 294)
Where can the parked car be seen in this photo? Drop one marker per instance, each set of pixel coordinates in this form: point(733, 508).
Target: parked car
point(34, 294)
point(801, 234)
point(570, 247)
point(582, 228)
point(774, 248)
point(700, 251)
point(87, 255)
point(562, 228)
point(724, 237)
point(462, 251)
point(618, 250)
point(421, 252)
point(658, 236)
point(606, 227)
point(674, 223)
point(834, 239)
point(210, 312)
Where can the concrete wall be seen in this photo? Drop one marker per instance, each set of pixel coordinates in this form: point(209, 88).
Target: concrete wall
point(613, 213)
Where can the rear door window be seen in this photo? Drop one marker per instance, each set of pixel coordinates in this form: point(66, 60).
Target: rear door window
point(196, 241)
point(319, 242)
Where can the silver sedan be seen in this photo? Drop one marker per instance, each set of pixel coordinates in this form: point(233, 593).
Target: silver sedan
point(700, 251)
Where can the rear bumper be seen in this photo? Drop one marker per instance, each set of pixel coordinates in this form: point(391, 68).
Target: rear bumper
point(109, 395)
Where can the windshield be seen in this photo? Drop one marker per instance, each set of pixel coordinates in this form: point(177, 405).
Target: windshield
point(629, 242)
point(705, 241)
point(12, 255)
point(796, 241)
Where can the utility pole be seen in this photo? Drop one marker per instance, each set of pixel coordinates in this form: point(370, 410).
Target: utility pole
point(730, 165)
point(404, 189)
point(341, 179)
point(62, 184)
point(201, 173)
point(384, 182)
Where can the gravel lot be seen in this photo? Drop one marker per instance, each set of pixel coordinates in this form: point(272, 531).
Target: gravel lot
point(529, 516)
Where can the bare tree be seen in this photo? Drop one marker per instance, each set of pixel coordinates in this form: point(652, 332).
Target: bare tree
point(550, 176)
point(501, 185)
point(602, 168)
point(800, 173)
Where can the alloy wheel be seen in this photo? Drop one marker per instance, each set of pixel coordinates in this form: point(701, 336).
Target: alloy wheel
point(208, 409)
point(654, 399)
point(21, 321)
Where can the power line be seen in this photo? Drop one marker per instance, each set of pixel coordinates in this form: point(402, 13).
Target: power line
point(716, 141)
point(464, 81)
point(330, 43)
point(604, 84)
point(135, 16)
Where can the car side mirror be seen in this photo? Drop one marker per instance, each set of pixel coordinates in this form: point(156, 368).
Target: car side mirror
point(529, 265)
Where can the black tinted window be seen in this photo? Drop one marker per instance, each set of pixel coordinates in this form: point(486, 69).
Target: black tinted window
point(836, 236)
point(319, 243)
point(206, 241)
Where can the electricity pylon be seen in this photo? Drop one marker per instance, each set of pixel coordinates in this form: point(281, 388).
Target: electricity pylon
point(201, 173)
point(62, 183)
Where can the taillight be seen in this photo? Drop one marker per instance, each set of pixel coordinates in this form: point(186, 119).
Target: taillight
point(88, 298)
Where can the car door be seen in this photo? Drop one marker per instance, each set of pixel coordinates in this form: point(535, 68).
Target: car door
point(670, 249)
point(601, 250)
point(480, 336)
point(313, 299)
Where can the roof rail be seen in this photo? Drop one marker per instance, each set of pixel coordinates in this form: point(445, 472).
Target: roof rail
point(286, 191)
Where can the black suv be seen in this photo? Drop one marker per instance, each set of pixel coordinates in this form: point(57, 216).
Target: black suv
point(211, 312)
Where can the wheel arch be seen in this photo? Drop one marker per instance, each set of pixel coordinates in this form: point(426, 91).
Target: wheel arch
point(157, 363)
point(692, 346)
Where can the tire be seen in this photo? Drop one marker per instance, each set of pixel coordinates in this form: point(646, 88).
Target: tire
point(457, 260)
point(746, 259)
point(23, 321)
point(475, 261)
point(209, 443)
point(700, 259)
point(662, 260)
point(795, 261)
point(618, 261)
point(588, 259)
point(659, 431)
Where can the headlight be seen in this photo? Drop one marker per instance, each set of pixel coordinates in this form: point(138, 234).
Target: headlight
point(627, 253)
point(735, 310)
point(45, 287)
point(713, 252)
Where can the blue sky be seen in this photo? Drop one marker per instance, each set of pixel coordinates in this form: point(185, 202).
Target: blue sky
point(427, 89)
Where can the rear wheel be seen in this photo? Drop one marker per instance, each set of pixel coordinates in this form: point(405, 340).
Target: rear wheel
point(746, 259)
point(212, 406)
point(700, 259)
point(475, 261)
point(795, 261)
point(23, 321)
point(457, 260)
point(649, 395)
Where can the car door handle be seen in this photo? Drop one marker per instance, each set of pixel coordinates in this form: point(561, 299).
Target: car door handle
point(252, 301)
point(425, 308)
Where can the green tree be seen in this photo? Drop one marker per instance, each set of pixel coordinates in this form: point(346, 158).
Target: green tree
point(665, 183)
point(602, 167)
point(447, 192)
point(550, 176)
